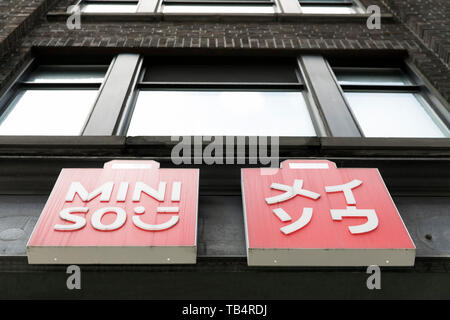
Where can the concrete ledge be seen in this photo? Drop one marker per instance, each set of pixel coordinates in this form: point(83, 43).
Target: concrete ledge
point(40, 141)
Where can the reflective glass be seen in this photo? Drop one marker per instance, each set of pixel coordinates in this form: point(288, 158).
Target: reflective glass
point(194, 1)
point(404, 115)
point(329, 9)
point(215, 113)
point(217, 9)
point(66, 74)
point(47, 112)
point(371, 77)
point(109, 8)
point(327, 1)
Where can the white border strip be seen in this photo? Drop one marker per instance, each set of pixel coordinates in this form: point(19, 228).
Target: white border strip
point(312, 165)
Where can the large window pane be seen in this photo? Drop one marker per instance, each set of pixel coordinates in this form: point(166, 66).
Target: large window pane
point(395, 115)
point(47, 112)
point(68, 74)
point(371, 76)
point(215, 113)
point(217, 9)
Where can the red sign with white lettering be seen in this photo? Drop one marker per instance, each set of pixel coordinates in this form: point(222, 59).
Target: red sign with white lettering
point(127, 212)
point(310, 213)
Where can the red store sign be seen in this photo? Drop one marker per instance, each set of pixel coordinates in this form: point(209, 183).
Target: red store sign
point(129, 212)
point(309, 213)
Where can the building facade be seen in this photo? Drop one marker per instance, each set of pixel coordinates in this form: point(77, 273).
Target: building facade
point(350, 91)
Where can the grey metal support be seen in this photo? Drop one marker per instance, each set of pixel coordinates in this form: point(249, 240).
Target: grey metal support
point(147, 6)
point(328, 97)
point(112, 98)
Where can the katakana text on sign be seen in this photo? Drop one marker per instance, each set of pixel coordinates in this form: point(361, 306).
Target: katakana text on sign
point(312, 213)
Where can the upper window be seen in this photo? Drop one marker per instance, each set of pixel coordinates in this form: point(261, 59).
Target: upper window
point(246, 7)
point(218, 6)
point(109, 6)
point(330, 6)
point(52, 100)
point(220, 98)
point(386, 102)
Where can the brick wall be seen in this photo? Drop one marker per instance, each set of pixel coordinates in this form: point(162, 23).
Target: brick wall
point(309, 34)
point(429, 20)
point(17, 17)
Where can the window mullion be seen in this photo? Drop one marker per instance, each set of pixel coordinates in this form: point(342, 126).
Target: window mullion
point(113, 96)
point(290, 6)
point(147, 6)
point(328, 97)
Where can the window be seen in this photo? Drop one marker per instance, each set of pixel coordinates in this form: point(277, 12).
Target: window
point(212, 7)
point(218, 6)
point(52, 100)
point(330, 6)
point(109, 6)
point(386, 102)
point(220, 98)
point(223, 96)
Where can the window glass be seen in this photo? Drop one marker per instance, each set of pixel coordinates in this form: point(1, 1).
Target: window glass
point(329, 9)
point(371, 77)
point(238, 2)
point(47, 112)
point(404, 115)
point(216, 113)
point(218, 9)
point(67, 74)
point(327, 1)
point(109, 8)
point(329, 6)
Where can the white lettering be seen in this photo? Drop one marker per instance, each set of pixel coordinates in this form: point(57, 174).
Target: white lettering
point(76, 187)
point(78, 222)
point(96, 219)
point(142, 187)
